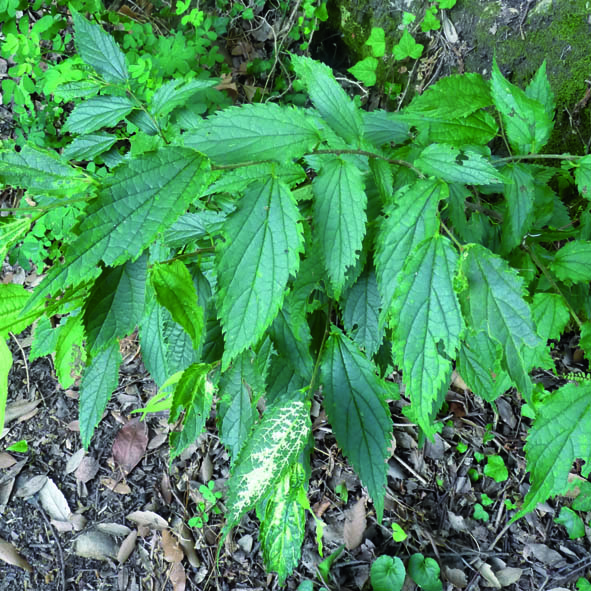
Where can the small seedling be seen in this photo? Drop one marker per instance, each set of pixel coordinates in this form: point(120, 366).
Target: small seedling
point(495, 468)
point(572, 522)
point(480, 513)
point(206, 507)
point(20, 447)
point(398, 534)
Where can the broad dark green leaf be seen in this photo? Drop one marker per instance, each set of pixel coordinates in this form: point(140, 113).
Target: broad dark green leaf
point(263, 242)
point(193, 226)
point(410, 219)
point(387, 573)
point(339, 215)
point(355, 403)
point(381, 127)
point(427, 324)
point(98, 49)
point(193, 394)
point(551, 315)
point(86, 147)
point(519, 194)
point(99, 381)
point(424, 572)
point(572, 263)
point(115, 304)
point(493, 302)
point(69, 91)
point(583, 176)
point(97, 112)
point(44, 339)
point(13, 298)
point(332, 102)
point(177, 92)
point(254, 132)
point(174, 290)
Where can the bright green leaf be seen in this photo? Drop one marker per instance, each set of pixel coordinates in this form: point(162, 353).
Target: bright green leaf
point(44, 339)
point(540, 90)
point(381, 127)
point(519, 195)
point(5, 365)
point(551, 315)
point(97, 112)
point(398, 534)
point(86, 147)
point(480, 513)
point(11, 231)
point(572, 522)
point(177, 92)
point(20, 446)
point(495, 468)
point(430, 21)
point(572, 263)
point(69, 351)
point(377, 41)
point(365, 70)
point(407, 47)
point(355, 402)
point(387, 574)
point(424, 572)
point(583, 176)
point(13, 298)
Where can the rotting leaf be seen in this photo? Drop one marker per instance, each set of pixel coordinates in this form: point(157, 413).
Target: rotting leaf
point(172, 549)
point(130, 445)
point(355, 524)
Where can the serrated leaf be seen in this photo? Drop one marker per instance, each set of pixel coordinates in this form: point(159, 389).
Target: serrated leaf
point(143, 197)
point(254, 132)
point(583, 176)
point(519, 195)
point(193, 226)
point(407, 47)
point(99, 381)
point(361, 313)
point(282, 380)
point(44, 339)
point(174, 290)
point(470, 93)
point(5, 365)
point(558, 437)
point(115, 304)
point(97, 112)
point(283, 526)
point(12, 301)
point(86, 147)
point(38, 171)
point(575, 527)
point(264, 239)
point(427, 324)
point(572, 263)
point(332, 102)
point(177, 92)
point(69, 351)
point(241, 386)
point(410, 218)
point(193, 394)
point(98, 49)
point(457, 166)
point(377, 41)
point(551, 315)
point(355, 403)
point(339, 215)
point(11, 232)
point(494, 303)
point(78, 89)
point(527, 124)
point(273, 446)
point(381, 127)
point(540, 90)
point(479, 364)
point(387, 574)
point(365, 70)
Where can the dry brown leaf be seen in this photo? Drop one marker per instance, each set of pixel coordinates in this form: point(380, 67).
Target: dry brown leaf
point(32, 486)
point(87, 469)
point(355, 524)
point(9, 554)
point(6, 460)
point(127, 547)
point(157, 441)
point(165, 488)
point(114, 529)
point(509, 575)
point(177, 577)
point(171, 547)
point(121, 488)
point(149, 519)
point(130, 445)
point(187, 542)
point(96, 545)
point(53, 501)
point(19, 409)
point(74, 426)
point(456, 577)
point(74, 460)
point(487, 574)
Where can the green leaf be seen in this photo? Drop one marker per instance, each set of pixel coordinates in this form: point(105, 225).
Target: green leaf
point(44, 339)
point(194, 395)
point(527, 124)
point(263, 242)
point(585, 342)
point(86, 147)
point(241, 386)
point(97, 112)
point(99, 50)
point(551, 315)
point(387, 574)
point(470, 93)
point(572, 522)
point(5, 365)
point(339, 215)
point(177, 92)
point(381, 127)
point(333, 103)
point(69, 91)
point(20, 446)
point(12, 301)
point(398, 534)
point(494, 303)
point(255, 132)
point(424, 572)
point(142, 198)
point(519, 194)
point(430, 21)
point(480, 513)
point(38, 171)
point(572, 262)
point(558, 437)
point(12, 232)
point(407, 47)
point(174, 289)
point(361, 313)
point(69, 351)
point(427, 324)
point(273, 446)
point(193, 226)
point(365, 70)
point(540, 90)
point(115, 304)
point(99, 381)
point(479, 364)
point(583, 176)
point(355, 403)
point(457, 166)
point(377, 41)
point(495, 468)
point(283, 525)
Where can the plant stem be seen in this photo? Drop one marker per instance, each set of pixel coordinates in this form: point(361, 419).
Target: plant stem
point(372, 155)
point(539, 157)
point(453, 238)
point(320, 350)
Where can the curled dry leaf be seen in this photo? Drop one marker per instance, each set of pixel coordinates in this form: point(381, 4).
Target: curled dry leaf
point(121, 488)
point(114, 529)
point(19, 409)
point(149, 519)
point(74, 461)
point(171, 547)
point(130, 445)
point(87, 469)
point(509, 575)
point(9, 554)
point(31, 486)
point(355, 524)
point(53, 501)
point(187, 542)
point(127, 547)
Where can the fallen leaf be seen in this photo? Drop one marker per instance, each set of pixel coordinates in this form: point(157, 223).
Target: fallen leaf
point(87, 469)
point(487, 574)
point(121, 488)
point(19, 409)
point(6, 460)
point(130, 445)
point(96, 545)
point(127, 547)
point(509, 575)
point(31, 486)
point(74, 460)
point(114, 529)
point(9, 554)
point(148, 518)
point(187, 542)
point(456, 577)
point(177, 577)
point(355, 524)
point(53, 501)
point(171, 547)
